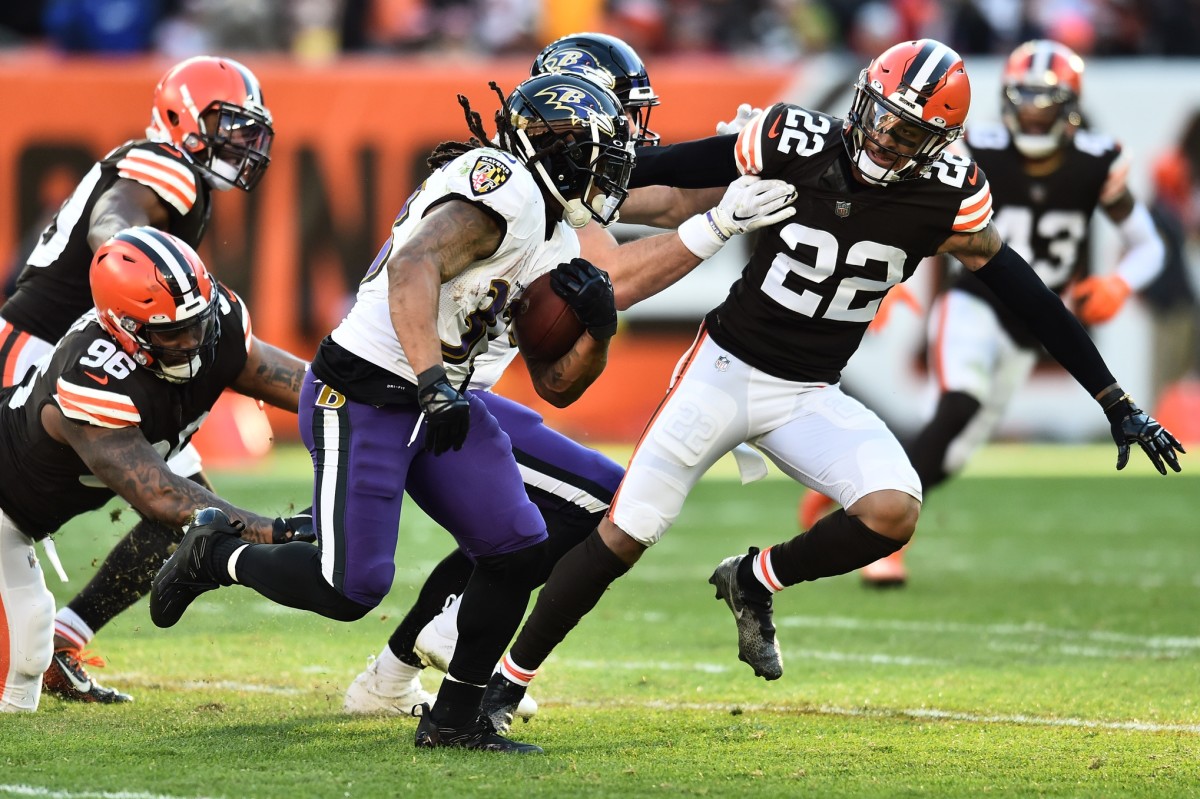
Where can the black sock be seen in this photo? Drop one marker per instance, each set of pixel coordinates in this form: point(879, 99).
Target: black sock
point(575, 586)
point(448, 577)
point(927, 451)
point(837, 544)
point(125, 575)
point(457, 703)
point(288, 574)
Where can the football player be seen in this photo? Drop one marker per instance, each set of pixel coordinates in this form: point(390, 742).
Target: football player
point(877, 193)
point(209, 131)
point(121, 392)
point(1047, 177)
point(385, 407)
point(572, 485)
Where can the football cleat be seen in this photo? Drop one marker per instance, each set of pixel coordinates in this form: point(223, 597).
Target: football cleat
point(186, 574)
point(437, 639)
point(372, 693)
point(813, 507)
point(480, 734)
point(756, 629)
point(68, 679)
point(888, 572)
point(503, 699)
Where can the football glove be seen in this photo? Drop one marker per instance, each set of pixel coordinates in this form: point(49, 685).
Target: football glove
point(589, 292)
point(1097, 299)
point(447, 411)
point(745, 115)
point(1131, 424)
point(294, 528)
point(749, 203)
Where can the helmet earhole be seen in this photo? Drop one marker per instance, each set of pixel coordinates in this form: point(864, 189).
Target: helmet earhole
point(173, 117)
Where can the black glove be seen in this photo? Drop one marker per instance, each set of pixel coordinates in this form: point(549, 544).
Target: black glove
point(294, 528)
point(1130, 423)
point(447, 412)
point(589, 292)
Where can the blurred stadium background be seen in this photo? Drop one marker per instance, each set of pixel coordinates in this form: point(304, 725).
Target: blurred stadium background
point(362, 89)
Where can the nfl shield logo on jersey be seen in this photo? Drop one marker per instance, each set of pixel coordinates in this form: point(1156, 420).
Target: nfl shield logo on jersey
point(488, 175)
point(842, 209)
point(722, 363)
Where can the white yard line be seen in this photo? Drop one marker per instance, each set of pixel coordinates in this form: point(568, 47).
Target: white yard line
point(48, 793)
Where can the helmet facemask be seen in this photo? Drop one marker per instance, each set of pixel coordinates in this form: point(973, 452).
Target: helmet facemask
point(236, 144)
point(883, 128)
point(175, 351)
point(1054, 127)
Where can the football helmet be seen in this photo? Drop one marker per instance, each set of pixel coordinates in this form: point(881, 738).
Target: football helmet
point(613, 64)
point(573, 135)
point(1040, 97)
point(156, 298)
point(909, 104)
point(212, 109)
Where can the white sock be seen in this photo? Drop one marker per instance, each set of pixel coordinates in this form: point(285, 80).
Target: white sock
point(765, 572)
point(68, 624)
point(231, 566)
point(392, 668)
point(514, 673)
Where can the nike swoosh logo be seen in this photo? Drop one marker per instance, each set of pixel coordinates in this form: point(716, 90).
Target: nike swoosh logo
point(974, 174)
point(773, 133)
point(101, 380)
point(737, 218)
point(83, 686)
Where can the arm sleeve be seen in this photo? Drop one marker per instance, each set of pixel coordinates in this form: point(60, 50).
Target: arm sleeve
point(1018, 287)
point(1144, 250)
point(700, 164)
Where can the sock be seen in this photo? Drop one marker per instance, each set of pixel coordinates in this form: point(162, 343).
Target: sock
point(575, 586)
point(927, 451)
point(287, 574)
point(448, 577)
point(67, 624)
point(762, 571)
point(837, 544)
point(125, 575)
point(392, 669)
point(510, 671)
point(457, 703)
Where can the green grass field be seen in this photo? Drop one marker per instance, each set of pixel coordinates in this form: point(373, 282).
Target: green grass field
point(1046, 646)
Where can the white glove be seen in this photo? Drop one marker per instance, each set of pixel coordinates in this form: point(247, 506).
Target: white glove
point(745, 115)
point(749, 203)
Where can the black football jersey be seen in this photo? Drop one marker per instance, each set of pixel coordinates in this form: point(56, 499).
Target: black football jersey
point(93, 381)
point(814, 281)
point(53, 288)
point(1046, 219)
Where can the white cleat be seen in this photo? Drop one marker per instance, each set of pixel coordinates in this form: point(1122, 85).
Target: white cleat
point(436, 641)
point(371, 693)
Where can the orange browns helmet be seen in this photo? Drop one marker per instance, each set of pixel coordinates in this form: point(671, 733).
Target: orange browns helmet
point(156, 298)
point(212, 108)
point(909, 104)
point(1043, 80)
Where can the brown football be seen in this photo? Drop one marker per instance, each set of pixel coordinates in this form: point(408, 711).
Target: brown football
point(545, 326)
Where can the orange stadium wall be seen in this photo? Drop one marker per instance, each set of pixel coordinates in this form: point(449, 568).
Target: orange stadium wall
point(351, 140)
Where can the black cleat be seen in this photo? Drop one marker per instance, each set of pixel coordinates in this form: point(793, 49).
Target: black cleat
point(480, 735)
point(187, 574)
point(501, 699)
point(68, 679)
point(756, 628)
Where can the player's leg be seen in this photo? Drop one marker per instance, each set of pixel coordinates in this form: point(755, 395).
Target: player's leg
point(26, 621)
point(701, 419)
point(831, 441)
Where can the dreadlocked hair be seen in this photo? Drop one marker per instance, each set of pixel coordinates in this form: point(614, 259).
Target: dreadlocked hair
point(447, 151)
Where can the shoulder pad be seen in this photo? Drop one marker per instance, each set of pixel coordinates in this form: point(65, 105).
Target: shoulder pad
point(495, 178)
point(990, 136)
point(164, 171)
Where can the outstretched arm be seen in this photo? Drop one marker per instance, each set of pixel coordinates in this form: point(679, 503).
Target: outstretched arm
point(1013, 280)
point(125, 204)
point(271, 375)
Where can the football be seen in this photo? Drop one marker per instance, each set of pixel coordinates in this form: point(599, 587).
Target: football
point(544, 325)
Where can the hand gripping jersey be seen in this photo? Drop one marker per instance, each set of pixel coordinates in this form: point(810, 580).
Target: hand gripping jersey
point(474, 307)
point(1046, 219)
point(814, 282)
point(53, 289)
point(92, 381)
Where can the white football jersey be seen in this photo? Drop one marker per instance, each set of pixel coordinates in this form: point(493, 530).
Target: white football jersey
point(474, 307)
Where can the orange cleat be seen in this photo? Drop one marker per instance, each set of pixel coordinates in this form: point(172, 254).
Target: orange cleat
point(888, 572)
point(813, 506)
